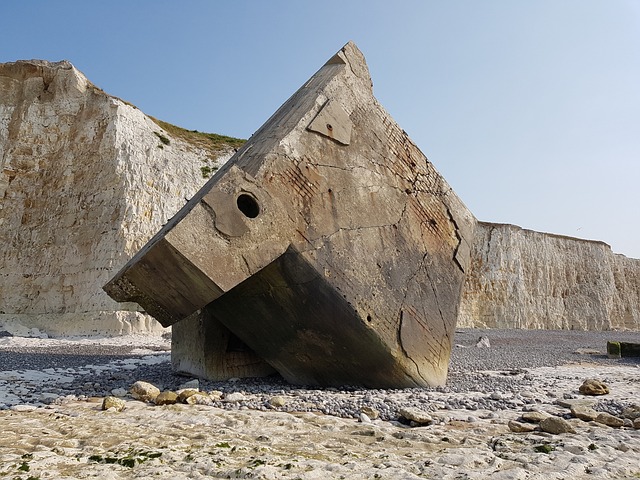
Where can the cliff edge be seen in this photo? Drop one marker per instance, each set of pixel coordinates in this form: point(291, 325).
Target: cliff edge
point(525, 279)
point(85, 180)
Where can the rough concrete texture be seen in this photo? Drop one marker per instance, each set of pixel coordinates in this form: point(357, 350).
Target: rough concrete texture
point(328, 244)
point(525, 279)
point(85, 181)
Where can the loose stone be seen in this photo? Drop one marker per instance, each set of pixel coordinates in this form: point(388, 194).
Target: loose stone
point(556, 425)
point(416, 415)
point(534, 417)
point(166, 398)
point(277, 401)
point(113, 402)
point(186, 393)
point(370, 412)
point(518, 427)
point(364, 418)
point(234, 397)
point(584, 413)
point(610, 420)
point(592, 386)
point(144, 391)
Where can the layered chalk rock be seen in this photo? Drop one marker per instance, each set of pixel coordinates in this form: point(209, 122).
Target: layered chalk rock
point(85, 180)
point(525, 279)
point(329, 245)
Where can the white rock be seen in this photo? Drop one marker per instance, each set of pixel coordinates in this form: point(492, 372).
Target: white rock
point(519, 265)
point(22, 408)
point(144, 391)
point(85, 182)
point(364, 418)
point(119, 392)
point(234, 397)
point(191, 384)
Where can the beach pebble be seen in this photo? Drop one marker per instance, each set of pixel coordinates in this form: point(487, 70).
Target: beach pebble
point(592, 386)
point(277, 401)
point(166, 398)
point(519, 427)
point(416, 415)
point(113, 402)
point(556, 425)
point(234, 397)
point(609, 420)
point(144, 391)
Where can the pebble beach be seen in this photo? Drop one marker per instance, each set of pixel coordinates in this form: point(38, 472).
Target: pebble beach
point(511, 408)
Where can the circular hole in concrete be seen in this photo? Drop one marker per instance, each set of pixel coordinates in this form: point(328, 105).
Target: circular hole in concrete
point(248, 205)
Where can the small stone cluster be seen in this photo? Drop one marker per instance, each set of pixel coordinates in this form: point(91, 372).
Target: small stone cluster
point(558, 422)
point(579, 408)
point(188, 393)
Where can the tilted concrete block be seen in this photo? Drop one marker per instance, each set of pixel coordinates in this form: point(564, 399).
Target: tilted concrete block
point(328, 244)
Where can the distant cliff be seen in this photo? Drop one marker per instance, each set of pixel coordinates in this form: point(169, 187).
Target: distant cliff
point(525, 279)
point(85, 180)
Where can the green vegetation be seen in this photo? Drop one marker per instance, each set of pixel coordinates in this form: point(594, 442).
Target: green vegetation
point(546, 448)
point(212, 142)
point(207, 170)
point(128, 458)
point(162, 138)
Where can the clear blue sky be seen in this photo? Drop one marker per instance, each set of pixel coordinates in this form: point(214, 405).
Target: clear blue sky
point(530, 109)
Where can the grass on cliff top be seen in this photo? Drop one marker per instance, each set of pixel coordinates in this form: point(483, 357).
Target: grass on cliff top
point(212, 142)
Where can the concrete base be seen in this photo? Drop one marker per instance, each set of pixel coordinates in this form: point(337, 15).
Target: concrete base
point(201, 346)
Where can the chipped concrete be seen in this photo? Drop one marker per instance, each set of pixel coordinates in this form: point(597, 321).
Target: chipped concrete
point(328, 245)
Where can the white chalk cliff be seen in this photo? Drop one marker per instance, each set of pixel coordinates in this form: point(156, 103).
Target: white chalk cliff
point(85, 180)
point(525, 279)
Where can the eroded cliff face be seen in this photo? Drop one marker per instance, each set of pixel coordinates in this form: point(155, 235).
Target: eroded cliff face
point(525, 279)
point(86, 179)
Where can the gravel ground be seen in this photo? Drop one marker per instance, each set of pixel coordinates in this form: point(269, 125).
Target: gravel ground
point(97, 369)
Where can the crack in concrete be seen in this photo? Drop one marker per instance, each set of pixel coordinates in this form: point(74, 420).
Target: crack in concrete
point(458, 236)
point(406, 354)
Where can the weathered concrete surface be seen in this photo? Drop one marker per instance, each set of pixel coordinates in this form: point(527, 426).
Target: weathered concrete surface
point(85, 181)
point(328, 244)
point(525, 279)
point(201, 346)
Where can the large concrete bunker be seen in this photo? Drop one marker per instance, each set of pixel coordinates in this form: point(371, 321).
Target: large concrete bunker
point(328, 248)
